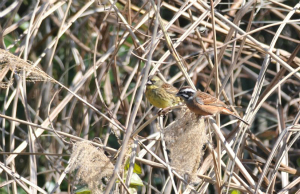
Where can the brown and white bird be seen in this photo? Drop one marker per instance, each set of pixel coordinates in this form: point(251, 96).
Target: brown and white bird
point(204, 104)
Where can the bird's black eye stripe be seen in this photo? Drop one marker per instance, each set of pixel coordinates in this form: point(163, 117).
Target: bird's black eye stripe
point(186, 93)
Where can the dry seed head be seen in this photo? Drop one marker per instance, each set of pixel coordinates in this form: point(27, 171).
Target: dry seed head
point(91, 164)
point(16, 65)
point(185, 138)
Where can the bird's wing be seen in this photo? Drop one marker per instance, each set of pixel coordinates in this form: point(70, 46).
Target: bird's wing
point(199, 100)
point(208, 99)
point(169, 88)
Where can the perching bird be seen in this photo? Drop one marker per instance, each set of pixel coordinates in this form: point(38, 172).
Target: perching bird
point(161, 94)
point(204, 104)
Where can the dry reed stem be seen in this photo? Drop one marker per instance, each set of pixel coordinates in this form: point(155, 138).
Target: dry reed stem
point(237, 35)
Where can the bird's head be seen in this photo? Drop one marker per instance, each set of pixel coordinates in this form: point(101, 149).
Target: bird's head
point(186, 93)
point(154, 82)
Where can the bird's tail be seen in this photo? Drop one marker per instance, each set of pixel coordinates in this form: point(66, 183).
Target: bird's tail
point(228, 112)
point(239, 118)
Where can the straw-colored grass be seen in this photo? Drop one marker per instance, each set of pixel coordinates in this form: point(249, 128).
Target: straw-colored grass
point(72, 72)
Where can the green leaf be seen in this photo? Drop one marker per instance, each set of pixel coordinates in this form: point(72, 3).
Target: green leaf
point(24, 25)
point(136, 168)
point(83, 190)
point(298, 162)
point(235, 192)
point(132, 190)
point(136, 180)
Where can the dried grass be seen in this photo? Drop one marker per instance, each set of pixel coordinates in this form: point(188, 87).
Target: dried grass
point(185, 138)
point(101, 53)
point(91, 164)
point(18, 66)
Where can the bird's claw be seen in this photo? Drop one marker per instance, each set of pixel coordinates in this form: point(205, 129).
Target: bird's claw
point(163, 112)
point(206, 116)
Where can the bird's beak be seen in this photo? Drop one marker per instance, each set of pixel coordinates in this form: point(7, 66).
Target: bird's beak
point(177, 95)
point(149, 82)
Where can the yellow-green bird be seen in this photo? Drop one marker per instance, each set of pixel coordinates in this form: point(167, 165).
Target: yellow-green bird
point(161, 94)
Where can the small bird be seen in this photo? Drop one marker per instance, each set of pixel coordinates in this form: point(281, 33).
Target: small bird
point(204, 104)
point(161, 94)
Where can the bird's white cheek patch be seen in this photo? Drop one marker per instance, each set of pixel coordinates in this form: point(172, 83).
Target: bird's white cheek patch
point(185, 96)
point(188, 90)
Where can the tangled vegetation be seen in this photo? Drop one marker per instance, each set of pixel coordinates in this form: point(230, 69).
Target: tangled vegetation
point(74, 117)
